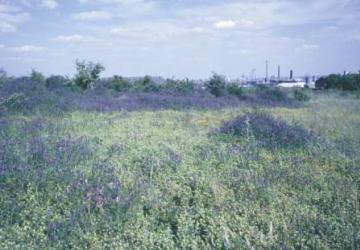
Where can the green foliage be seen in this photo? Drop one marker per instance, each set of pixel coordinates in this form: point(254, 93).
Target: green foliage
point(183, 87)
point(36, 76)
point(157, 180)
point(235, 89)
point(13, 102)
point(349, 82)
point(269, 93)
point(301, 95)
point(87, 74)
point(56, 81)
point(146, 84)
point(216, 85)
point(119, 83)
point(3, 76)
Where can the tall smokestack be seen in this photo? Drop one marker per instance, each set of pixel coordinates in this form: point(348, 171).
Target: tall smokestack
point(267, 71)
point(291, 74)
point(279, 73)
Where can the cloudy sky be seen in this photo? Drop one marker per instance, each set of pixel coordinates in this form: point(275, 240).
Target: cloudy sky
point(180, 38)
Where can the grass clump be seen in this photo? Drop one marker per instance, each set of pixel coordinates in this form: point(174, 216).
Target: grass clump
point(235, 89)
point(268, 131)
point(272, 94)
point(301, 96)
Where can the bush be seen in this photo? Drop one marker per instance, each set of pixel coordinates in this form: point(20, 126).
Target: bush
point(87, 74)
point(56, 81)
point(349, 82)
point(183, 87)
point(273, 94)
point(216, 85)
point(235, 89)
point(36, 76)
point(119, 83)
point(145, 85)
point(267, 130)
point(3, 76)
point(14, 102)
point(300, 95)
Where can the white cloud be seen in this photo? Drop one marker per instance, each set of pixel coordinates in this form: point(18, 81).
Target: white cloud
point(92, 16)
point(310, 46)
point(225, 24)
point(7, 8)
point(7, 27)
point(76, 38)
point(307, 47)
point(70, 38)
point(26, 48)
point(49, 4)
point(112, 1)
point(11, 17)
point(118, 31)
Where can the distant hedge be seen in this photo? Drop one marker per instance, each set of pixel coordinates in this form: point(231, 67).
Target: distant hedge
point(343, 82)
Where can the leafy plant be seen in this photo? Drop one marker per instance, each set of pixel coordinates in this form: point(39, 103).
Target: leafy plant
point(3, 76)
point(13, 102)
point(146, 84)
point(300, 95)
point(273, 94)
point(36, 76)
point(216, 85)
point(270, 132)
point(87, 74)
point(119, 83)
point(56, 81)
point(183, 87)
point(349, 82)
point(235, 89)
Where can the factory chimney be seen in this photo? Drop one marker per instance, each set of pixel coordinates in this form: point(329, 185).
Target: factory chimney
point(291, 74)
point(279, 73)
point(267, 71)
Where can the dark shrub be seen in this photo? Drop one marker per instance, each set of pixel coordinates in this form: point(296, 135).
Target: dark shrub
point(36, 76)
point(14, 102)
point(216, 85)
point(344, 82)
point(119, 83)
point(235, 89)
point(268, 131)
point(300, 95)
point(145, 85)
point(56, 81)
point(87, 74)
point(3, 76)
point(183, 87)
point(273, 94)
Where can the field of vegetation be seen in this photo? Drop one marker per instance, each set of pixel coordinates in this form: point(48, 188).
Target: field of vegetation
point(143, 166)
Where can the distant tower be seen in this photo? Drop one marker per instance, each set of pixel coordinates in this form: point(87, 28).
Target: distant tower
point(279, 73)
point(291, 74)
point(267, 71)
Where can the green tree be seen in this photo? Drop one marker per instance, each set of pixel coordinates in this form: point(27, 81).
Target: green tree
point(119, 83)
point(216, 85)
point(36, 76)
point(87, 73)
point(3, 76)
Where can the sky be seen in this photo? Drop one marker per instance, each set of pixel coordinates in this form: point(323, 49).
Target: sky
point(181, 38)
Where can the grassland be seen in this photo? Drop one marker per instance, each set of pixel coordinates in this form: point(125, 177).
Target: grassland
point(167, 179)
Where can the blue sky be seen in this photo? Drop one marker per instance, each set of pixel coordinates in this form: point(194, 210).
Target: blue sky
point(180, 38)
